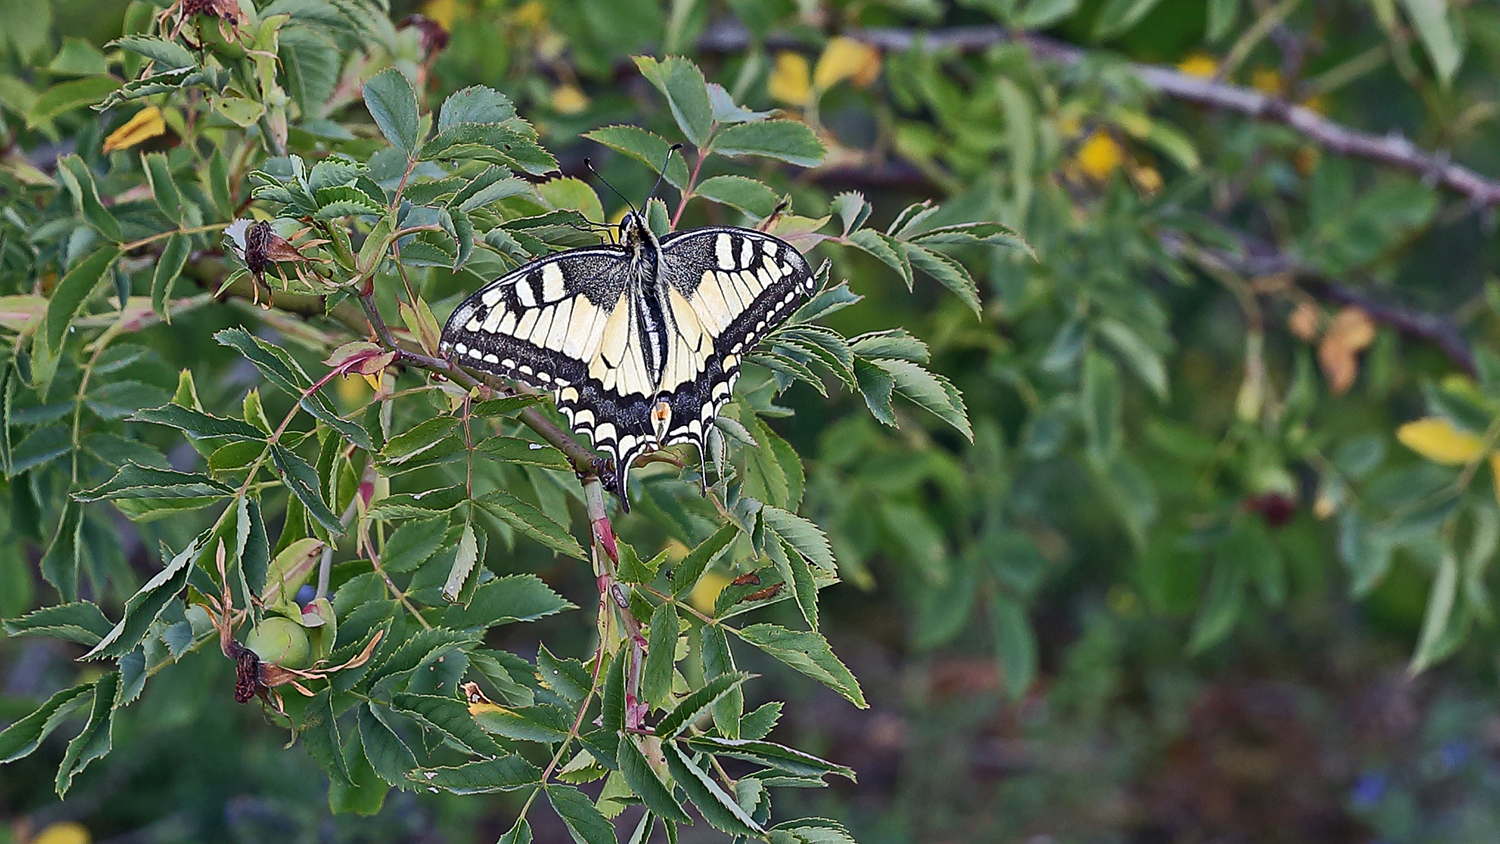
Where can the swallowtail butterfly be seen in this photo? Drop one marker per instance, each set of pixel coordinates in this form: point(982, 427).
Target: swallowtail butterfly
point(640, 342)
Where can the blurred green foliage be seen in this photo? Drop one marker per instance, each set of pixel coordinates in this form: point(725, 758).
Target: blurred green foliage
point(1214, 563)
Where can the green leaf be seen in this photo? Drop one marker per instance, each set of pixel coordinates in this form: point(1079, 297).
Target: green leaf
point(1221, 17)
point(136, 481)
point(643, 780)
point(1221, 607)
point(656, 678)
point(802, 535)
point(1101, 403)
point(1432, 20)
point(475, 104)
point(418, 505)
point(530, 521)
point(541, 723)
point(79, 180)
point(414, 441)
point(523, 451)
point(488, 776)
point(681, 82)
point(199, 425)
point(97, 737)
point(516, 597)
point(393, 104)
point(387, 752)
point(462, 570)
point(494, 144)
point(1118, 16)
point(24, 736)
point(807, 652)
point(771, 755)
point(344, 201)
point(73, 290)
point(698, 702)
point(783, 140)
point(167, 54)
point(145, 605)
point(685, 575)
point(568, 677)
point(411, 544)
point(421, 647)
point(794, 569)
point(646, 147)
point(950, 273)
point(302, 479)
point(81, 621)
point(584, 822)
point(930, 391)
point(66, 96)
point(1145, 361)
point(1015, 646)
point(748, 195)
point(887, 249)
point(518, 834)
point(718, 661)
point(168, 267)
point(450, 718)
point(1431, 644)
point(717, 806)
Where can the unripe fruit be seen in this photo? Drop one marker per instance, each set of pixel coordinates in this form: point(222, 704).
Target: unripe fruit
point(281, 641)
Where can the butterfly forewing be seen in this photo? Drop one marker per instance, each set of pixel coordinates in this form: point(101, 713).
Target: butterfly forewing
point(641, 344)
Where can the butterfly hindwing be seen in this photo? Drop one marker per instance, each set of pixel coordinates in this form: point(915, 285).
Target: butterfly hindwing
point(640, 344)
point(738, 284)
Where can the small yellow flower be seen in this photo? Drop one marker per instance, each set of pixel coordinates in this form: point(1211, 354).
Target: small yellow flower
point(1201, 65)
point(791, 79)
point(145, 125)
point(1100, 156)
point(1266, 80)
point(569, 99)
point(1147, 178)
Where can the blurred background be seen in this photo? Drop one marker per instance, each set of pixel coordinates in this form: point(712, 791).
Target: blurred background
point(1180, 586)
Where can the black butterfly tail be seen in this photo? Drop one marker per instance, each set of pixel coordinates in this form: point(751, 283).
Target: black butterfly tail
point(620, 483)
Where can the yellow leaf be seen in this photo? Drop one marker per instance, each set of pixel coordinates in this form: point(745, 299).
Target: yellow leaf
point(790, 80)
point(1437, 440)
point(1305, 320)
point(707, 590)
point(569, 99)
point(845, 58)
point(145, 125)
point(66, 832)
point(1100, 156)
point(1200, 65)
point(1350, 332)
point(441, 11)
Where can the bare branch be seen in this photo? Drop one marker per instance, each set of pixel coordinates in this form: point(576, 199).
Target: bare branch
point(1256, 259)
point(1392, 149)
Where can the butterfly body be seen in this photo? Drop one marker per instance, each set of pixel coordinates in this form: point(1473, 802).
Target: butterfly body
point(640, 342)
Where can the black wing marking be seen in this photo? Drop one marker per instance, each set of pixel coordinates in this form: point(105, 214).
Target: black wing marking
point(737, 285)
point(563, 323)
point(567, 323)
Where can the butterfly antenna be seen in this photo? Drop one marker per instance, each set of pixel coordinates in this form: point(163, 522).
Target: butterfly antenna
point(663, 172)
point(590, 165)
